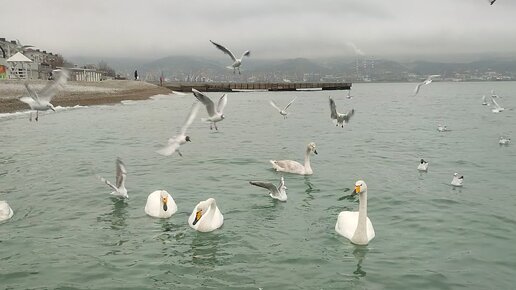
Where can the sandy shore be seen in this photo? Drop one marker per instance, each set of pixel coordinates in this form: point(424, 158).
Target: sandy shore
point(79, 93)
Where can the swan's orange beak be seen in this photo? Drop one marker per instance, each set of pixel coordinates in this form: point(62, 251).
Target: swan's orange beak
point(357, 189)
point(198, 216)
point(165, 200)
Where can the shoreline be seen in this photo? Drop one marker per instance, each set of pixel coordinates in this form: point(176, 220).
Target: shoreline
point(79, 93)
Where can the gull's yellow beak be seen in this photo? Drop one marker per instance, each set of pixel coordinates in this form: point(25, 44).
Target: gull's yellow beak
point(198, 216)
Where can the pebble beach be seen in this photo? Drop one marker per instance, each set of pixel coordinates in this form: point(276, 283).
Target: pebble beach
point(79, 93)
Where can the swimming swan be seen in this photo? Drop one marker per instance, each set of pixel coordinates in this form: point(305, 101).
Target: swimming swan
point(5, 211)
point(160, 204)
point(356, 226)
point(291, 166)
point(206, 216)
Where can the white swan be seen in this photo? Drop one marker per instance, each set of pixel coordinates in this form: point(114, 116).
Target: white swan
point(457, 181)
point(121, 174)
point(356, 226)
point(283, 111)
point(423, 165)
point(276, 192)
point(206, 216)
point(6, 211)
point(160, 204)
point(291, 166)
point(236, 61)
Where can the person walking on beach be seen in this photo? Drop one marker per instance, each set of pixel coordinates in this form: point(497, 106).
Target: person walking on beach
point(135, 75)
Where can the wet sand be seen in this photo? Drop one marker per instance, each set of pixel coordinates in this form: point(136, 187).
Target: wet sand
point(79, 93)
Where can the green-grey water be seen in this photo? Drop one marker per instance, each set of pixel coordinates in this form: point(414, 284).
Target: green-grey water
point(67, 232)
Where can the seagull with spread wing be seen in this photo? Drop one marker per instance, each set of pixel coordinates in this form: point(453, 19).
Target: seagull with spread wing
point(276, 192)
point(118, 188)
point(236, 61)
point(283, 111)
point(338, 118)
point(216, 114)
point(175, 142)
point(425, 82)
point(40, 101)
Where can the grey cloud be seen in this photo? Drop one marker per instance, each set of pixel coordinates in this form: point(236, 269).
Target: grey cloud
point(271, 29)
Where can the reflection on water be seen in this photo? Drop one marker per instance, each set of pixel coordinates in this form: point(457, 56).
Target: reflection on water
point(360, 253)
point(204, 249)
point(117, 216)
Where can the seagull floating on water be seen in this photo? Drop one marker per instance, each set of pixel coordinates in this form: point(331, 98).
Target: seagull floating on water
point(276, 192)
point(423, 165)
point(40, 101)
point(216, 114)
point(121, 173)
point(457, 181)
point(504, 140)
point(236, 61)
point(175, 142)
point(338, 118)
point(442, 128)
point(283, 111)
point(425, 82)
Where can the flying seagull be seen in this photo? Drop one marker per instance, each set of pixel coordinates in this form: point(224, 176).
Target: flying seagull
point(491, 1)
point(119, 188)
point(236, 61)
point(425, 82)
point(283, 111)
point(175, 142)
point(40, 101)
point(337, 117)
point(216, 114)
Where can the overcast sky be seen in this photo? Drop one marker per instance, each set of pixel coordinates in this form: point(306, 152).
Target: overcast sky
point(270, 29)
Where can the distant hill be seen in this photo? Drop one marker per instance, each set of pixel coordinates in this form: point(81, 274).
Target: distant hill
point(181, 67)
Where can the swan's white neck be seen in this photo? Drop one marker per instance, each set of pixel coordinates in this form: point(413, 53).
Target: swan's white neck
point(308, 168)
point(360, 235)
